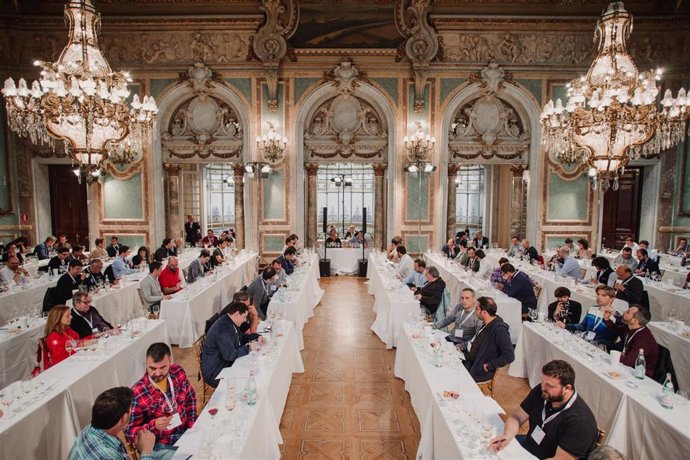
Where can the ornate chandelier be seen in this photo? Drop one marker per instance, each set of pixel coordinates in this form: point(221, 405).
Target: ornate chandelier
point(611, 115)
point(271, 145)
point(419, 148)
point(79, 100)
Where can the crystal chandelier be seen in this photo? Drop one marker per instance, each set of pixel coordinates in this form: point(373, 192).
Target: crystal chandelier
point(611, 115)
point(79, 100)
point(271, 145)
point(419, 148)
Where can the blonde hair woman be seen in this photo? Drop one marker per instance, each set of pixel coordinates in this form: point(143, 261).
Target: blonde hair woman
point(60, 339)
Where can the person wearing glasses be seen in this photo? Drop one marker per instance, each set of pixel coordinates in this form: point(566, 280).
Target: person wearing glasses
point(86, 321)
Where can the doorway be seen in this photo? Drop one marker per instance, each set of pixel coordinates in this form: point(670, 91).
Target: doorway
point(621, 216)
point(68, 210)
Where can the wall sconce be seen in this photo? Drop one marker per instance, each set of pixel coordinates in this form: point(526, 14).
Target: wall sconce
point(271, 145)
point(264, 169)
point(419, 146)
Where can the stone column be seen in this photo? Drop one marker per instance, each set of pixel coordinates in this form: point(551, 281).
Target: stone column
point(310, 231)
point(173, 219)
point(238, 177)
point(518, 211)
point(452, 205)
point(379, 205)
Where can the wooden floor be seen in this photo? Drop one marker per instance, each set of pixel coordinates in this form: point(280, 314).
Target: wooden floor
point(348, 404)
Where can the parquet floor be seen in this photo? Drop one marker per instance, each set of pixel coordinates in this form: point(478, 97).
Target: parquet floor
point(348, 404)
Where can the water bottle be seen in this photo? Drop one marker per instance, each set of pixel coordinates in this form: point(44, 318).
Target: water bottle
point(250, 390)
point(667, 393)
point(640, 365)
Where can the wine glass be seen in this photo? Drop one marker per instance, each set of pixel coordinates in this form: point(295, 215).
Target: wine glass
point(156, 308)
point(533, 314)
point(70, 346)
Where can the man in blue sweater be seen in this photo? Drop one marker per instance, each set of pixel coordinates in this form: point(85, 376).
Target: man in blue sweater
point(594, 323)
point(490, 348)
point(518, 286)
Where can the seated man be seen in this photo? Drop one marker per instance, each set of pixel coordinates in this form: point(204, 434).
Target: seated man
point(450, 250)
point(120, 264)
point(100, 440)
point(431, 294)
point(350, 232)
point(287, 260)
point(464, 318)
point(218, 255)
point(405, 263)
point(169, 278)
point(77, 254)
point(225, 343)
point(68, 282)
point(416, 279)
point(114, 248)
point(479, 241)
point(491, 347)
point(98, 251)
point(593, 322)
point(518, 286)
point(251, 324)
point(515, 249)
point(629, 287)
point(682, 249)
point(151, 290)
point(497, 275)
point(472, 262)
point(210, 240)
point(358, 239)
point(165, 251)
point(42, 250)
point(561, 425)
point(463, 254)
point(485, 265)
point(645, 264)
point(625, 258)
point(529, 250)
point(94, 274)
point(13, 273)
point(262, 289)
point(563, 309)
point(199, 266)
point(632, 329)
point(59, 262)
point(605, 274)
point(281, 279)
point(164, 402)
point(86, 321)
point(569, 266)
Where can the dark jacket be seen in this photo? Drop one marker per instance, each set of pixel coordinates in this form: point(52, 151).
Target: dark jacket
point(161, 253)
point(633, 291)
point(480, 244)
point(642, 339)
point(521, 288)
point(288, 266)
point(64, 287)
point(450, 253)
point(496, 350)
point(531, 252)
point(113, 251)
point(574, 311)
point(472, 264)
point(82, 327)
point(432, 294)
point(648, 266)
point(223, 345)
point(192, 232)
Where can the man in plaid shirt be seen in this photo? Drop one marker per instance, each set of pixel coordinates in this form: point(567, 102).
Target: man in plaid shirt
point(164, 402)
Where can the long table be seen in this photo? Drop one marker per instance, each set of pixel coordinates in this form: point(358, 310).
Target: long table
point(393, 301)
point(23, 300)
point(679, 346)
point(456, 280)
point(440, 419)
point(609, 399)
point(296, 302)
point(248, 432)
point(46, 427)
point(18, 349)
point(344, 261)
point(187, 311)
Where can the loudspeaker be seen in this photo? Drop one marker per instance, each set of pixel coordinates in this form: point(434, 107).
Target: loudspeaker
point(364, 221)
point(325, 219)
point(325, 267)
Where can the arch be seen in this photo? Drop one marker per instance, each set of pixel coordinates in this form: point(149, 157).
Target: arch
point(528, 109)
point(310, 103)
point(170, 99)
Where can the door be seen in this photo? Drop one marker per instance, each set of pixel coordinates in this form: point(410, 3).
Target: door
point(622, 210)
point(68, 205)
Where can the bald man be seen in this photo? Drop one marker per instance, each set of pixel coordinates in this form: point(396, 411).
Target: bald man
point(13, 273)
point(169, 278)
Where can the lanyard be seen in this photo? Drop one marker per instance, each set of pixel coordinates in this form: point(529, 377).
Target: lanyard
point(628, 339)
point(598, 322)
point(169, 401)
point(464, 320)
point(90, 320)
point(553, 416)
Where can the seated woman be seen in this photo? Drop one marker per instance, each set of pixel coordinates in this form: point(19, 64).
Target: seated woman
point(12, 251)
point(60, 338)
point(333, 241)
point(358, 239)
point(143, 257)
point(391, 250)
point(583, 251)
point(563, 309)
point(593, 322)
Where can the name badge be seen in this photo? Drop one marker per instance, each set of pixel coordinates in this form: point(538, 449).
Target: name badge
point(538, 434)
point(175, 421)
point(273, 287)
point(95, 330)
point(590, 335)
point(458, 333)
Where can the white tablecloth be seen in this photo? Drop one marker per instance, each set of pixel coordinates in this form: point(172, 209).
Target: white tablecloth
point(46, 429)
point(188, 310)
point(679, 347)
point(607, 398)
point(457, 279)
point(393, 301)
point(344, 261)
point(260, 423)
point(426, 383)
point(297, 302)
point(666, 300)
point(18, 352)
point(22, 301)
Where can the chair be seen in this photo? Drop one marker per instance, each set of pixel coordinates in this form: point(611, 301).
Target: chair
point(109, 273)
point(664, 366)
point(488, 386)
point(443, 307)
point(540, 260)
point(601, 437)
point(207, 390)
point(131, 451)
point(645, 301)
point(48, 299)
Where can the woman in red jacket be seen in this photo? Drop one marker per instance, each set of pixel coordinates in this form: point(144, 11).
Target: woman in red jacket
point(60, 339)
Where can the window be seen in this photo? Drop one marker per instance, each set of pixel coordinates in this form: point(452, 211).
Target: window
point(469, 195)
point(346, 189)
point(191, 194)
point(220, 197)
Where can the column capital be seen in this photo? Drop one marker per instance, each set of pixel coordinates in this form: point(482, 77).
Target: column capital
point(453, 169)
point(238, 169)
point(518, 169)
point(173, 168)
point(380, 169)
point(311, 168)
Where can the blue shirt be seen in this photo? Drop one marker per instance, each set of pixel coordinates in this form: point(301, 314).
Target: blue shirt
point(121, 268)
point(42, 251)
point(95, 444)
point(571, 268)
point(592, 323)
point(416, 279)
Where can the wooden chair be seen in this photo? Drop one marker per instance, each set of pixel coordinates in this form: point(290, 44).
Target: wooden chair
point(601, 437)
point(131, 451)
point(206, 390)
point(488, 386)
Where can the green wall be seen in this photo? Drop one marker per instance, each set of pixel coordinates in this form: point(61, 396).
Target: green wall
point(123, 198)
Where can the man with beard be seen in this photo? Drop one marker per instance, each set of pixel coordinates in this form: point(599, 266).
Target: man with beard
point(561, 425)
point(164, 402)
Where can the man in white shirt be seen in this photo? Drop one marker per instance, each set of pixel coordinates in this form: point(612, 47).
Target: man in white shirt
point(570, 266)
point(13, 273)
point(417, 278)
point(406, 264)
point(485, 265)
point(515, 247)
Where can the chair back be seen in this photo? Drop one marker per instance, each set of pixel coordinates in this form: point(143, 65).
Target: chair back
point(109, 273)
point(583, 273)
point(141, 297)
point(444, 306)
point(664, 365)
point(42, 358)
point(210, 322)
point(198, 348)
point(645, 301)
point(48, 299)
point(601, 437)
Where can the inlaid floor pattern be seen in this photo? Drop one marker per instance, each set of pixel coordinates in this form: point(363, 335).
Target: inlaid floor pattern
point(348, 404)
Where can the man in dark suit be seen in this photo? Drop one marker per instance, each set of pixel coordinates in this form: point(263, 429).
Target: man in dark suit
point(480, 241)
point(530, 250)
point(287, 260)
point(491, 347)
point(472, 262)
point(646, 264)
point(86, 320)
point(114, 249)
point(518, 286)
point(261, 290)
point(192, 230)
point(59, 262)
point(165, 251)
point(450, 249)
point(564, 309)
point(630, 288)
point(431, 294)
point(69, 282)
